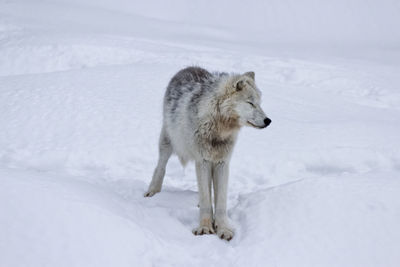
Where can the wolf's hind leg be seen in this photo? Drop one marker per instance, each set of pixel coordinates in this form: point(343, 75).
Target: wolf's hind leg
point(165, 151)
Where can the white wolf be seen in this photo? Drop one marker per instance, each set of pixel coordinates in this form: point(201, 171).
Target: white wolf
point(203, 113)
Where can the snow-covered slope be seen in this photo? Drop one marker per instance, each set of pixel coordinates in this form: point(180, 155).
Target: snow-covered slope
point(81, 86)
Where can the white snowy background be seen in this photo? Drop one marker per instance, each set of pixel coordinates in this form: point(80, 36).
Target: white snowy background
point(81, 87)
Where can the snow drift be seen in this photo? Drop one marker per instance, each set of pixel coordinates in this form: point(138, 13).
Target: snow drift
point(81, 87)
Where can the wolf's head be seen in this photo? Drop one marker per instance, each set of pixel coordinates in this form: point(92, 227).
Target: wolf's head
point(243, 99)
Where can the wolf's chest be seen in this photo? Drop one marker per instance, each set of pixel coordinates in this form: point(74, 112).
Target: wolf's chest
point(216, 149)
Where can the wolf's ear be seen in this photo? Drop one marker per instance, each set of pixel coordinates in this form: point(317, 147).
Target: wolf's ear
point(250, 74)
point(239, 85)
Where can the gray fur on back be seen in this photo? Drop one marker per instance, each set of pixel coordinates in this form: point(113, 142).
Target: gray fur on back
point(191, 80)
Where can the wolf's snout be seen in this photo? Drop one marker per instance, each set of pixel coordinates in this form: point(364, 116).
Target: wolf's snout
point(267, 122)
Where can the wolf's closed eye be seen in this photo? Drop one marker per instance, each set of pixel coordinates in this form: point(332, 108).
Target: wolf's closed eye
point(251, 104)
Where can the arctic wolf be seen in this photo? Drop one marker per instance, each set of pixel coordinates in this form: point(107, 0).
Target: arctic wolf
point(203, 113)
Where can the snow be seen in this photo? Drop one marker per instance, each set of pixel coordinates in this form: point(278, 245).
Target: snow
point(81, 87)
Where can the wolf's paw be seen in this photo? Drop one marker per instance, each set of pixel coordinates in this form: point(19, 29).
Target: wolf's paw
point(203, 230)
point(150, 193)
point(224, 232)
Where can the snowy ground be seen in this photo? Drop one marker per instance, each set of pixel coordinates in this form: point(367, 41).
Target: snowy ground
point(81, 90)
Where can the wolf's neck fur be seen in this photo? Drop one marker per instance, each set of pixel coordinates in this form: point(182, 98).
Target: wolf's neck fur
point(225, 120)
point(218, 126)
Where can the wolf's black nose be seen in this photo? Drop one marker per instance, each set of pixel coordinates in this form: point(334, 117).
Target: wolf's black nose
point(267, 122)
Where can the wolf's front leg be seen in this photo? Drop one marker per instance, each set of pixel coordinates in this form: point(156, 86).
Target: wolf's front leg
point(220, 178)
point(203, 172)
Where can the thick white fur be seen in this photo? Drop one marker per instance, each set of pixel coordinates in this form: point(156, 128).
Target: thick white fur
point(209, 141)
